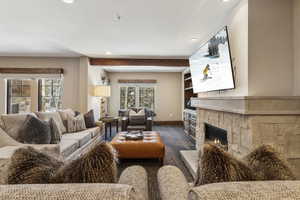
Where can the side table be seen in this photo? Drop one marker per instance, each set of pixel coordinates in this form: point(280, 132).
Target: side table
point(108, 121)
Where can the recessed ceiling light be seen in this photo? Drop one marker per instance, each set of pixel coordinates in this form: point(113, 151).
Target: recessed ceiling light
point(225, 0)
point(108, 53)
point(194, 39)
point(68, 1)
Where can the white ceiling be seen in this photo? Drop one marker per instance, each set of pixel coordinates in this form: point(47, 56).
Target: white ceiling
point(147, 29)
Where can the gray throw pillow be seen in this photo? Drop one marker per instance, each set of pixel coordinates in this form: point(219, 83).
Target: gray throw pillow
point(89, 119)
point(34, 131)
point(55, 132)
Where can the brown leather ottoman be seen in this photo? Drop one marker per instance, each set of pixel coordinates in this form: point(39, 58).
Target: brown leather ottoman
point(151, 146)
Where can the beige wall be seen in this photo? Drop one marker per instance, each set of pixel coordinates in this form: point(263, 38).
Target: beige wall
point(270, 48)
point(238, 36)
point(71, 76)
point(168, 94)
point(296, 28)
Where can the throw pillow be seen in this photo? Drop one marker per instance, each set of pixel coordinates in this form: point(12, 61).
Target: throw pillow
point(29, 166)
point(34, 131)
point(75, 123)
point(46, 116)
point(267, 164)
point(55, 132)
point(89, 119)
point(64, 116)
point(96, 166)
point(216, 165)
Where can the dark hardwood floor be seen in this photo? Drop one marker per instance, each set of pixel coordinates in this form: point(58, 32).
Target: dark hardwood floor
point(175, 140)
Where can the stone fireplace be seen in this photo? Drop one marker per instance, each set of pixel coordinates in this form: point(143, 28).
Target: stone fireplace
point(252, 121)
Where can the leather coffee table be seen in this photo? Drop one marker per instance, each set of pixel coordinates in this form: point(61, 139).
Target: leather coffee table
point(150, 147)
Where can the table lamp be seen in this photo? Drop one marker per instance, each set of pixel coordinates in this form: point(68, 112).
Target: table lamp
point(104, 92)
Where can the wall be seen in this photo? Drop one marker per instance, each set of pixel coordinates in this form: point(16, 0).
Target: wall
point(296, 32)
point(168, 94)
point(238, 35)
point(71, 76)
point(94, 78)
point(270, 48)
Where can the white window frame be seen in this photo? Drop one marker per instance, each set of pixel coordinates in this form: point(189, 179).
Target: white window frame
point(137, 85)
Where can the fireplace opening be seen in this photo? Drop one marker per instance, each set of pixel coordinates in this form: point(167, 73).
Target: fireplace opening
point(216, 135)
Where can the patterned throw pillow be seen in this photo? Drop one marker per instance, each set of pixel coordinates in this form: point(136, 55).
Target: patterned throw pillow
point(75, 123)
point(216, 166)
point(64, 116)
point(34, 131)
point(267, 164)
point(89, 119)
point(96, 166)
point(55, 132)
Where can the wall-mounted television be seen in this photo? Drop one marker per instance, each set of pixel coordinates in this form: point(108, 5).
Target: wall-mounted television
point(211, 66)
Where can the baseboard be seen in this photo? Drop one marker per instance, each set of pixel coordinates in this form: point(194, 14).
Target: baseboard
point(173, 123)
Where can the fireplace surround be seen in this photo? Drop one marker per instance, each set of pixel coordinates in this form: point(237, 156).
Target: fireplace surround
point(251, 122)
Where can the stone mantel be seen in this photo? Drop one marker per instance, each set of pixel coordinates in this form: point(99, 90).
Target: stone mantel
point(251, 105)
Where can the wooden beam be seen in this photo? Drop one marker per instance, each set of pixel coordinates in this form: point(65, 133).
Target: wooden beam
point(140, 62)
point(137, 81)
point(31, 71)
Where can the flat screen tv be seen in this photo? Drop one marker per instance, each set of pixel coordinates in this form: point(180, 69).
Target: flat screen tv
point(211, 66)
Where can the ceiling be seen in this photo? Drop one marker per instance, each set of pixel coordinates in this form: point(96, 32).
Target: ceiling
point(146, 29)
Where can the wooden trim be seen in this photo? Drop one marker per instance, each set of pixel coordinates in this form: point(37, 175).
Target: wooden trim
point(137, 81)
point(140, 62)
point(31, 71)
point(170, 123)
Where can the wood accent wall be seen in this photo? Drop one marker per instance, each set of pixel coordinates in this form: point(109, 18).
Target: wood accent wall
point(137, 81)
point(31, 71)
point(139, 62)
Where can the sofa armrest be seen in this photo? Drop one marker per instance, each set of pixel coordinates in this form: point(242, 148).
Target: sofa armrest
point(124, 123)
point(149, 123)
point(172, 184)
point(136, 176)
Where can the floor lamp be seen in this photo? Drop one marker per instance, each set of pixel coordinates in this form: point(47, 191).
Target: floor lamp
point(102, 91)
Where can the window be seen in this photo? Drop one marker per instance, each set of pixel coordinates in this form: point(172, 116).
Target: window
point(50, 94)
point(137, 96)
point(18, 96)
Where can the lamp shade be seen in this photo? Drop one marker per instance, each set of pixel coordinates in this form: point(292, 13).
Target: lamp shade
point(102, 91)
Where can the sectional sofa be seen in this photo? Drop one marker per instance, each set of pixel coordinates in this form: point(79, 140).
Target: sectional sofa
point(70, 147)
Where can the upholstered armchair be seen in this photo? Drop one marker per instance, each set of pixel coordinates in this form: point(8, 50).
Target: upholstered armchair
point(137, 119)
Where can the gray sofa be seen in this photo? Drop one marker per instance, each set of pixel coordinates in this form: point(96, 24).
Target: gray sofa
point(70, 147)
point(173, 186)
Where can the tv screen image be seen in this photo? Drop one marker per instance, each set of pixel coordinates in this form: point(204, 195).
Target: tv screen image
point(211, 66)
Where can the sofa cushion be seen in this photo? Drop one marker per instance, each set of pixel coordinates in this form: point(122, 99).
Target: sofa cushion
point(13, 122)
point(68, 192)
point(258, 190)
point(81, 137)
point(46, 116)
point(6, 140)
point(68, 146)
point(34, 131)
point(94, 131)
point(30, 166)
